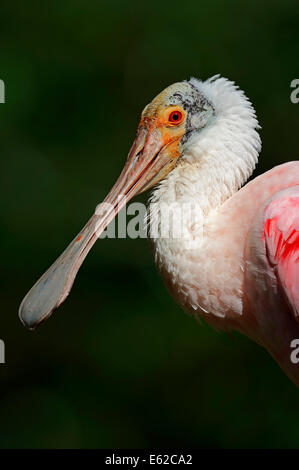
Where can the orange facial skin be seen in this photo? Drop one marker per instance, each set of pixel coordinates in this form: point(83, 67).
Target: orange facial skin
point(170, 122)
point(171, 131)
point(164, 120)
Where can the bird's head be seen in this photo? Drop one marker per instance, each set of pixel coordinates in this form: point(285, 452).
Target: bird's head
point(167, 123)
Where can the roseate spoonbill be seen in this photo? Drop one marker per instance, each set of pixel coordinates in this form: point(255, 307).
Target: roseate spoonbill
point(197, 142)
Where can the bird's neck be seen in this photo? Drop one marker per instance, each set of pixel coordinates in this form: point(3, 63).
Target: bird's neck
point(216, 163)
point(218, 159)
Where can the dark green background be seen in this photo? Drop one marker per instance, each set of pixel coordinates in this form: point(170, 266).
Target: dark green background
point(120, 365)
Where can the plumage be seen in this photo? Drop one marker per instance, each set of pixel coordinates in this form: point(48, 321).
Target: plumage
point(281, 234)
point(235, 261)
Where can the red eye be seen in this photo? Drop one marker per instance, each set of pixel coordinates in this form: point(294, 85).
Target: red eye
point(175, 117)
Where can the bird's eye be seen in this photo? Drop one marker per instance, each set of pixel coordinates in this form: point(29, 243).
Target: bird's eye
point(175, 117)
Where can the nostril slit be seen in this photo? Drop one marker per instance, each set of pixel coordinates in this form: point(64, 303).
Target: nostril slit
point(135, 159)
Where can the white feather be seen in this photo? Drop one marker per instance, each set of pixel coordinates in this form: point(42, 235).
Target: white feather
point(214, 165)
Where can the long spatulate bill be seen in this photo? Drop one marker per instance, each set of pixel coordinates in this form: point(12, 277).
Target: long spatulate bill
point(53, 287)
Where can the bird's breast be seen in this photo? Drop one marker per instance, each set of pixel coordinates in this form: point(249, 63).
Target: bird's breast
point(204, 269)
